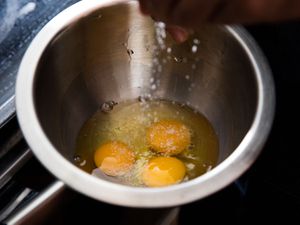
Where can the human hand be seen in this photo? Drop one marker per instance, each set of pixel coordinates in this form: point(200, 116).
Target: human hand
point(192, 13)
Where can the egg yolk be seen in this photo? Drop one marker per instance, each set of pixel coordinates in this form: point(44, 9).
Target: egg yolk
point(114, 158)
point(168, 136)
point(163, 171)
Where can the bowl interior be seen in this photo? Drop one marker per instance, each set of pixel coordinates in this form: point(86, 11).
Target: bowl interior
point(112, 53)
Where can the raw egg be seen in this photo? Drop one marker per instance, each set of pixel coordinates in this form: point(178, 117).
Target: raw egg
point(163, 171)
point(114, 158)
point(170, 137)
point(146, 143)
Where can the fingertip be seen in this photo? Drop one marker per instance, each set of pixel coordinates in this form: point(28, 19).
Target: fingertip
point(179, 34)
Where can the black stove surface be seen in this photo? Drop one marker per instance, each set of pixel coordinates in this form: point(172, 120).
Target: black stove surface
point(20, 21)
point(268, 192)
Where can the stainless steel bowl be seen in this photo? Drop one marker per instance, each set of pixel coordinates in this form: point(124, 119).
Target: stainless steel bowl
point(97, 51)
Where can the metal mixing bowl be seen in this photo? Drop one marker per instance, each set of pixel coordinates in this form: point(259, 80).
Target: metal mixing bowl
point(96, 51)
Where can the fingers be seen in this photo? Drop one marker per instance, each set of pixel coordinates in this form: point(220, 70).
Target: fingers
point(187, 13)
point(179, 34)
point(253, 11)
point(192, 13)
point(272, 10)
point(236, 11)
point(158, 9)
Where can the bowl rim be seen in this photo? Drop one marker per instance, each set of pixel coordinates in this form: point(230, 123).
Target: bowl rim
point(219, 177)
